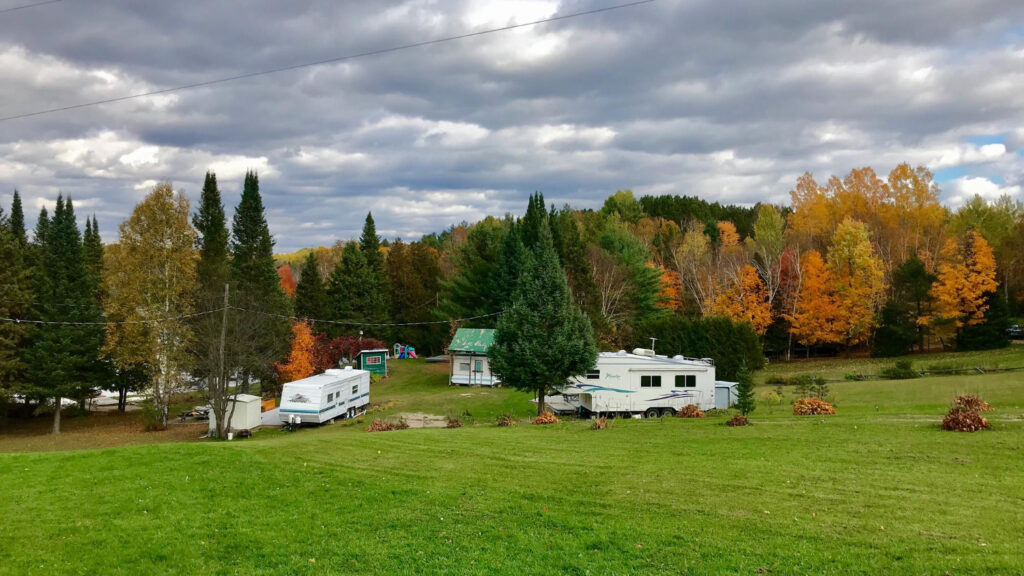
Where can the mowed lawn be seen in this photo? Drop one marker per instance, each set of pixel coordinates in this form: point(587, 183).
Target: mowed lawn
point(878, 489)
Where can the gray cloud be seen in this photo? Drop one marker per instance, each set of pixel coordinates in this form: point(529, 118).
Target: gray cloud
point(727, 100)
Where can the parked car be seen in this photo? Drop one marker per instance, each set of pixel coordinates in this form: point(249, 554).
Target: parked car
point(1015, 332)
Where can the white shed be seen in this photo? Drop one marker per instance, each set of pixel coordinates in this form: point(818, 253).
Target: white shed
point(725, 394)
point(246, 414)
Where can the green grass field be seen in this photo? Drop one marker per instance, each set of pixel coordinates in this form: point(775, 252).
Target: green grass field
point(878, 489)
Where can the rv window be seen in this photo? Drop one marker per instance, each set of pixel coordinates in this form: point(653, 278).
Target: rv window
point(330, 397)
point(686, 381)
point(650, 381)
point(594, 375)
point(355, 389)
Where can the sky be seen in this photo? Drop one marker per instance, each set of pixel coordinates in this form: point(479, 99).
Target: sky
point(727, 100)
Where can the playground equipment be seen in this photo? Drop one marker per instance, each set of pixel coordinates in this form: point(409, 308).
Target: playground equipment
point(403, 352)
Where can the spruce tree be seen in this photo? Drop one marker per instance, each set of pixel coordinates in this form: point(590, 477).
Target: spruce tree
point(369, 244)
point(256, 283)
point(310, 293)
point(744, 391)
point(347, 289)
point(64, 359)
point(214, 269)
point(376, 293)
point(92, 257)
point(543, 339)
point(16, 296)
point(534, 220)
point(509, 269)
point(16, 221)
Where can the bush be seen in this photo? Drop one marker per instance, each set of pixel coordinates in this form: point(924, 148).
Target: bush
point(599, 424)
point(506, 420)
point(690, 411)
point(902, 370)
point(960, 419)
point(452, 422)
point(972, 403)
point(738, 420)
point(812, 407)
point(546, 418)
point(379, 425)
point(151, 421)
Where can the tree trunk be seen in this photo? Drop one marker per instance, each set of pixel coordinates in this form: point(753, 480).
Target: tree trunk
point(56, 415)
point(122, 398)
point(540, 402)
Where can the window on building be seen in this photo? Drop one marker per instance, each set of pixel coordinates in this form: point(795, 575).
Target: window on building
point(650, 381)
point(594, 375)
point(355, 388)
point(686, 381)
point(373, 360)
point(464, 366)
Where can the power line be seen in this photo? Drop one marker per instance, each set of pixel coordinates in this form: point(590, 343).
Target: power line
point(107, 322)
point(385, 324)
point(325, 61)
point(25, 6)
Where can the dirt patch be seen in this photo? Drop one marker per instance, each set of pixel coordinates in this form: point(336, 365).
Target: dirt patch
point(96, 430)
point(421, 420)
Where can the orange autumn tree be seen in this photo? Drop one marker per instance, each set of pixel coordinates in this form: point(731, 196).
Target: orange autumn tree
point(668, 296)
point(288, 283)
point(746, 301)
point(966, 275)
point(301, 357)
point(857, 279)
point(815, 312)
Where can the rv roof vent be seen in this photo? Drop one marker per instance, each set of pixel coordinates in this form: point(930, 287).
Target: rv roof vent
point(622, 352)
point(332, 371)
point(643, 352)
point(679, 357)
point(348, 367)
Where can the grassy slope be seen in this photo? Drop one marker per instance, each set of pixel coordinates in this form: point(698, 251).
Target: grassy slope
point(656, 496)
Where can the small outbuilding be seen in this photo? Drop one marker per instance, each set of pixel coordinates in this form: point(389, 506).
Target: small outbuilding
point(468, 358)
point(374, 361)
point(725, 394)
point(244, 411)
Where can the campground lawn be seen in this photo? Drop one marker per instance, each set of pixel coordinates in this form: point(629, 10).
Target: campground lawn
point(877, 489)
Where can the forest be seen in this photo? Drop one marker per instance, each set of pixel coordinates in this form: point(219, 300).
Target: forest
point(858, 264)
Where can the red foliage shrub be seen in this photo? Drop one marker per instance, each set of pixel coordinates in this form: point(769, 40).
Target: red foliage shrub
point(546, 418)
point(972, 403)
point(961, 419)
point(327, 353)
point(690, 411)
point(812, 407)
point(738, 420)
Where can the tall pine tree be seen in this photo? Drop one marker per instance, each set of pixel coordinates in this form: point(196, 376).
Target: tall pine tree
point(214, 268)
point(16, 296)
point(311, 293)
point(543, 338)
point(375, 307)
point(16, 221)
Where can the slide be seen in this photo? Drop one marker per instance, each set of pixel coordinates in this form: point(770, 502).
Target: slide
point(413, 355)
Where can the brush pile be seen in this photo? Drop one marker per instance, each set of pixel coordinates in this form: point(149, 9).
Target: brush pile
point(812, 407)
point(690, 411)
point(546, 418)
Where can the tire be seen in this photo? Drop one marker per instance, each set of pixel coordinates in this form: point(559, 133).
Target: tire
point(668, 413)
point(652, 413)
point(610, 415)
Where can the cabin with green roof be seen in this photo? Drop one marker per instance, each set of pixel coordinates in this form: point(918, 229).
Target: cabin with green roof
point(467, 355)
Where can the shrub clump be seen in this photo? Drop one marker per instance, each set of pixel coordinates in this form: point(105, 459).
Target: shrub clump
point(972, 403)
point(960, 419)
point(690, 411)
point(506, 420)
point(599, 424)
point(453, 422)
point(379, 425)
point(546, 418)
point(738, 420)
point(812, 407)
point(902, 370)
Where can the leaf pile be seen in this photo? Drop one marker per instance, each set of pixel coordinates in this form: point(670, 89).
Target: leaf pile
point(506, 420)
point(738, 420)
point(690, 411)
point(972, 403)
point(600, 424)
point(453, 423)
point(379, 425)
point(546, 418)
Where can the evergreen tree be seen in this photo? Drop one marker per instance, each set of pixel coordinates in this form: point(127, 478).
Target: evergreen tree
point(470, 291)
point(535, 219)
point(310, 293)
point(572, 252)
point(911, 287)
point(374, 306)
point(543, 338)
point(896, 333)
point(990, 334)
point(347, 290)
point(369, 244)
point(64, 359)
point(744, 391)
point(42, 227)
point(92, 257)
point(214, 268)
point(256, 283)
point(16, 221)
point(15, 302)
point(510, 266)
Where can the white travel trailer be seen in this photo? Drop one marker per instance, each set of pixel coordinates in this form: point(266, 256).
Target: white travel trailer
point(625, 384)
point(324, 397)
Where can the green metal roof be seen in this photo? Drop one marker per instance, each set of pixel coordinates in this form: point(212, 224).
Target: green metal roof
point(476, 340)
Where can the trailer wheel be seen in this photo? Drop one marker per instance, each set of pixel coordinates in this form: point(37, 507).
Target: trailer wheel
point(651, 413)
point(668, 413)
point(610, 415)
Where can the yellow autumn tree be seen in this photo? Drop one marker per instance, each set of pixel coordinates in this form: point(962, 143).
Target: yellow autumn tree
point(300, 359)
point(966, 275)
point(857, 279)
point(746, 301)
point(815, 312)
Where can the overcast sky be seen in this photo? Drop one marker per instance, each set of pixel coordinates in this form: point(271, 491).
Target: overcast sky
point(727, 100)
